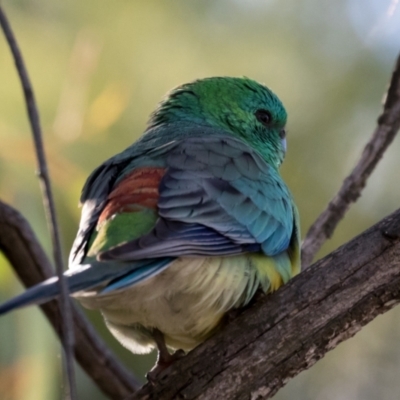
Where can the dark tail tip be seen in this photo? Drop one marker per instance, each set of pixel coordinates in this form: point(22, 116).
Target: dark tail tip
point(37, 294)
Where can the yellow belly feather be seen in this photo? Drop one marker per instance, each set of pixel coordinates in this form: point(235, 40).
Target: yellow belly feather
point(187, 300)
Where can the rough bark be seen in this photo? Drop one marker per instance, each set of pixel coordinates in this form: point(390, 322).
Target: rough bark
point(20, 246)
point(279, 335)
point(287, 332)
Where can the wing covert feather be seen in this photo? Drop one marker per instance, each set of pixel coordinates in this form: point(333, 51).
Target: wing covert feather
point(217, 197)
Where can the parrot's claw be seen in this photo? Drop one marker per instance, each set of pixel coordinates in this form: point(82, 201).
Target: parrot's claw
point(164, 360)
point(153, 375)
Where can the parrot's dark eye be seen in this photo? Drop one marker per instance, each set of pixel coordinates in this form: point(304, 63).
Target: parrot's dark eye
point(264, 117)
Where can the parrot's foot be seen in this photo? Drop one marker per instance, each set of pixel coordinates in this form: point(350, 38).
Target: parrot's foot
point(163, 364)
point(165, 359)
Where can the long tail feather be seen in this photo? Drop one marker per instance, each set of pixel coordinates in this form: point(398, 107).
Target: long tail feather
point(85, 277)
point(37, 294)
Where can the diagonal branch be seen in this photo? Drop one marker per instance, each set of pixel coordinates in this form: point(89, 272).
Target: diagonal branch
point(276, 338)
point(48, 202)
point(388, 125)
point(287, 332)
point(22, 249)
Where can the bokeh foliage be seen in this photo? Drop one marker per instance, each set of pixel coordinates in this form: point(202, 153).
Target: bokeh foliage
point(99, 67)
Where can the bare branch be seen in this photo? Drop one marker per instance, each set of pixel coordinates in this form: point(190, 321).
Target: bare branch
point(21, 247)
point(279, 335)
point(388, 125)
point(48, 202)
point(287, 332)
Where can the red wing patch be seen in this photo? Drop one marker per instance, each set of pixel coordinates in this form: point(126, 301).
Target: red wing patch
point(137, 190)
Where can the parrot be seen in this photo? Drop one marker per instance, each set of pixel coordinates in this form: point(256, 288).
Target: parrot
point(187, 223)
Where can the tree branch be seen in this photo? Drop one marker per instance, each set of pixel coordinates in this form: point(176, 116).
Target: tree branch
point(279, 335)
point(22, 249)
point(287, 332)
point(388, 125)
point(48, 202)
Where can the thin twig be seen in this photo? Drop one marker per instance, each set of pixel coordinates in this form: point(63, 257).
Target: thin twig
point(388, 125)
point(21, 247)
point(68, 338)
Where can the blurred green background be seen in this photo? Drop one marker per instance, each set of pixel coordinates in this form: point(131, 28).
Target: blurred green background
point(99, 68)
